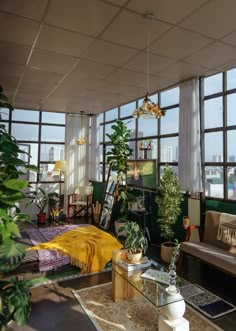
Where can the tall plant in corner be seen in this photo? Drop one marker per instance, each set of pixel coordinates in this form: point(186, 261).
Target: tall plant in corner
point(117, 159)
point(168, 199)
point(14, 294)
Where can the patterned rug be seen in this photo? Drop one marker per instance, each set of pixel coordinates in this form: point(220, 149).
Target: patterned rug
point(49, 260)
point(136, 314)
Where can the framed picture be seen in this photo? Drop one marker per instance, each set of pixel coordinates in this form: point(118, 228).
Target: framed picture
point(105, 218)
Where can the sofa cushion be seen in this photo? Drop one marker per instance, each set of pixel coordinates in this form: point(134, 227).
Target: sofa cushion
point(213, 255)
point(212, 219)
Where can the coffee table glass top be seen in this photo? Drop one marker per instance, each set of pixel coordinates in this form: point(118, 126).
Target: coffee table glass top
point(153, 290)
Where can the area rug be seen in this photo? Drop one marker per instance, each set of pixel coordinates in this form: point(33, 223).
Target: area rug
point(206, 302)
point(136, 314)
point(49, 259)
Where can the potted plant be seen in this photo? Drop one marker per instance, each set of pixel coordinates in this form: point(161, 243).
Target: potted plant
point(14, 293)
point(117, 158)
point(42, 199)
point(168, 199)
point(135, 242)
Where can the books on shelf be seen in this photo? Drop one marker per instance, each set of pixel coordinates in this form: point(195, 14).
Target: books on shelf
point(125, 264)
point(157, 275)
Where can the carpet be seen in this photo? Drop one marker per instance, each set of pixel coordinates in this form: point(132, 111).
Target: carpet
point(136, 314)
point(206, 302)
point(49, 259)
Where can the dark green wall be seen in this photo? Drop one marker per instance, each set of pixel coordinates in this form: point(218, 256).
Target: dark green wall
point(221, 206)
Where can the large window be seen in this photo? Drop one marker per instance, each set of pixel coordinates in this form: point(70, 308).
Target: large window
point(162, 133)
point(218, 110)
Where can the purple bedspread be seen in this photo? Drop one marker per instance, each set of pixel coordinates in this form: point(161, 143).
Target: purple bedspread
point(49, 259)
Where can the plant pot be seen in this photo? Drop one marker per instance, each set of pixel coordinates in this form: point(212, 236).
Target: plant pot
point(119, 224)
point(41, 218)
point(133, 258)
point(167, 249)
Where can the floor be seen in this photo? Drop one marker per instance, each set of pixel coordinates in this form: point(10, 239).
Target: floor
point(54, 307)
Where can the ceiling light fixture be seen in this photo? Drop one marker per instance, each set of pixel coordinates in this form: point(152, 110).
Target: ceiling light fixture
point(148, 109)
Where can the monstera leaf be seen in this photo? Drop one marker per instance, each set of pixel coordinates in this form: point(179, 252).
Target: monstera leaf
point(11, 255)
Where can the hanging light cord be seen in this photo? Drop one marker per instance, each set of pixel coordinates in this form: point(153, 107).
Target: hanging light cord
point(148, 60)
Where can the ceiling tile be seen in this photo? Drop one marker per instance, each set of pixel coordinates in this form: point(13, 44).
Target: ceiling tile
point(131, 29)
point(166, 10)
point(108, 53)
point(13, 53)
point(62, 41)
point(230, 38)
point(89, 17)
point(204, 57)
point(27, 8)
point(125, 77)
point(157, 83)
point(118, 2)
point(179, 43)
point(10, 74)
point(180, 71)
point(156, 63)
point(215, 19)
point(17, 29)
point(51, 61)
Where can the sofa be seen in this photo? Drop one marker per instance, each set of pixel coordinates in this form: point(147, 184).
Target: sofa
point(210, 250)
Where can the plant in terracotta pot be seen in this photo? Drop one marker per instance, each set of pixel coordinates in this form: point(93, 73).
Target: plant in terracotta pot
point(135, 242)
point(117, 158)
point(168, 199)
point(42, 199)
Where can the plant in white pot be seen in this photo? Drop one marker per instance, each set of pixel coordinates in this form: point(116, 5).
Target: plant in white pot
point(117, 158)
point(135, 242)
point(168, 199)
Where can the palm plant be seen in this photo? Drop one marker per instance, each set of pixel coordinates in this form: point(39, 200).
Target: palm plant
point(14, 293)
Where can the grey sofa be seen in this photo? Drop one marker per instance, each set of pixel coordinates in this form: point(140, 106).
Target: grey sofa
point(209, 249)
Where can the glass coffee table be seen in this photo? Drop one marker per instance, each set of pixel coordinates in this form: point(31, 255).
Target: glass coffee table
point(128, 284)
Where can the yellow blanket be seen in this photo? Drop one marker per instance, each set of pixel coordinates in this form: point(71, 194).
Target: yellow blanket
point(88, 247)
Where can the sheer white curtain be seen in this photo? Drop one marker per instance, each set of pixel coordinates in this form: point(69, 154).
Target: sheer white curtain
point(77, 158)
point(94, 152)
point(190, 172)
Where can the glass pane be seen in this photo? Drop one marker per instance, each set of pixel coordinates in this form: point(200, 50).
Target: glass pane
point(132, 145)
point(231, 109)
point(101, 118)
point(48, 174)
point(214, 183)
point(214, 147)
point(231, 152)
point(213, 84)
point(131, 125)
point(231, 175)
point(213, 113)
point(33, 158)
point(101, 133)
point(231, 79)
point(169, 149)
point(4, 113)
point(174, 168)
point(53, 133)
point(25, 115)
point(147, 127)
point(170, 122)
point(108, 130)
point(25, 131)
point(170, 97)
point(50, 152)
point(6, 125)
point(55, 118)
point(127, 110)
point(101, 153)
point(108, 149)
point(111, 115)
point(150, 153)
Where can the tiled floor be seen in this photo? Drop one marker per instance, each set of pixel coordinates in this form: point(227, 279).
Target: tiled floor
point(54, 307)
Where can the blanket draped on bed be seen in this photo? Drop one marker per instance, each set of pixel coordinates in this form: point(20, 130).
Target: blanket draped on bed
point(88, 247)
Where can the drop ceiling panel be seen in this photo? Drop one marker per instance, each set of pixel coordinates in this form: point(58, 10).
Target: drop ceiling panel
point(230, 39)
point(40, 78)
point(156, 63)
point(180, 71)
point(179, 43)
point(51, 61)
point(130, 29)
point(166, 10)
point(10, 75)
point(215, 19)
point(17, 29)
point(33, 9)
point(13, 53)
point(222, 54)
point(88, 17)
point(63, 41)
point(126, 77)
point(108, 53)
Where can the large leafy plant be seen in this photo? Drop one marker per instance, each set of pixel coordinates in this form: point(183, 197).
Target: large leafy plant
point(42, 199)
point(14, 293)
point(168, 199)
point(135, 240)
point(117, 158)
